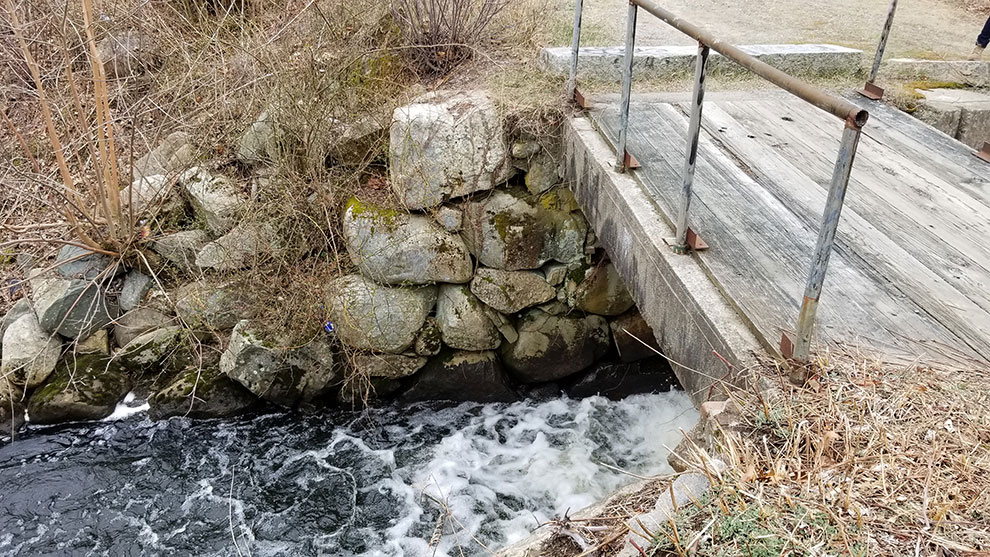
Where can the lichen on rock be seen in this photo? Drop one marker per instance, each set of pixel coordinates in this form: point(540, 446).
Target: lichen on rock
point(370, 316)
point(395, 247)
point(82, 388)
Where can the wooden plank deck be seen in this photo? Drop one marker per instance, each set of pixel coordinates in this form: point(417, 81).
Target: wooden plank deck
point(909, 279)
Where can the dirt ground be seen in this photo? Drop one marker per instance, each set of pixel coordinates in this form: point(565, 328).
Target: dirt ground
point(931, 29)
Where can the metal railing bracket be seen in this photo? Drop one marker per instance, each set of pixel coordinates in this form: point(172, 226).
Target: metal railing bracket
point(872, 91)
point(579, 99)
point(985, 152)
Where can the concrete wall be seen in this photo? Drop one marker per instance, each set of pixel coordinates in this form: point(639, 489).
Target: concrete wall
point(694, 325)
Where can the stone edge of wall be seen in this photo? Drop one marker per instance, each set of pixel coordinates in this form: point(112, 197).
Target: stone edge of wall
point(605, 63)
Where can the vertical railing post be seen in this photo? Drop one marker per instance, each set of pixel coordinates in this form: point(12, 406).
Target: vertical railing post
point(694, 133)
point(826, 238)
point(620, 150)
point(575, 49)
point(871, 90)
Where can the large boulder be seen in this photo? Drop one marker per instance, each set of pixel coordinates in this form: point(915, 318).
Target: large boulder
point(147, 350)
point(464, 322)
point(216, 200)
point(246, 245)
point(552, 347)
point(445, 145)
point(462, 376)
point(272, 370)
point(514, 231)
point(602, 291)
point(511, 291)
point(172, 156)
point(11, 408)
point(180, 248)
point(74, 308)
point(199, 393)
point(633, 337)
point(139, 321)
point(395, 247)
point(369, 316)
point(128, 54)
point(29, 352)
point(215, 307)
point(82, 388)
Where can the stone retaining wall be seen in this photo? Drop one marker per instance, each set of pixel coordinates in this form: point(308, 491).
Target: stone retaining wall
point(482, 282)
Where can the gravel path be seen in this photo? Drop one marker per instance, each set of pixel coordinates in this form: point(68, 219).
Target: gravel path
point(922, 28)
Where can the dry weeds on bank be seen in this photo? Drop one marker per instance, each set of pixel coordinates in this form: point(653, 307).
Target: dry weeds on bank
point(868, 459)
point(319, 65)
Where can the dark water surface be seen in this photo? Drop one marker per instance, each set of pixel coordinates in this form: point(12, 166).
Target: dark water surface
point(340, 483)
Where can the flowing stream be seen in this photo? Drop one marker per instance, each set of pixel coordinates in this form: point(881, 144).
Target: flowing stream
point(372, 483)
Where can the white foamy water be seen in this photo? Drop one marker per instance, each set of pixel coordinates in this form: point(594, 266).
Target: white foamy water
point(369, 484)
point(128, 407)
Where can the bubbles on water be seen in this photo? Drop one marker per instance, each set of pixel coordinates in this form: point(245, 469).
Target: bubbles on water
point(375, 483)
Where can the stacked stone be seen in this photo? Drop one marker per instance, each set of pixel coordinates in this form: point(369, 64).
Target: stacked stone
point(477, 286)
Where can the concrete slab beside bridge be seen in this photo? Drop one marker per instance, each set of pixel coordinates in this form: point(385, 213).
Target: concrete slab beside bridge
point(605, 63)
point(909, 279)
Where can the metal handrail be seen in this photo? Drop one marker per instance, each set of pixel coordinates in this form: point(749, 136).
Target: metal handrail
point(797, 347)
point(824, 100)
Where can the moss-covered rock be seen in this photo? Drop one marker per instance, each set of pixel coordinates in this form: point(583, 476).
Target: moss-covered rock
point(82, 388)
point(386, 366)
point(369, 316)
point(552, 347)
point(200, 393)
point(428, 340)
point(463, 319)
point(602, 291)
point(276, 372)
point(214, 307)
point(510, 291)
point(395, 247)
point(513, 230)
point(460, 375)
point(148, 349)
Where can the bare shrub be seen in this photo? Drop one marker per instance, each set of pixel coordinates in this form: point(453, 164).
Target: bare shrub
point(439, 34)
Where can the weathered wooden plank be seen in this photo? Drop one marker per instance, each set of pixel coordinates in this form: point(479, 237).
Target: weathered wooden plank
point(893, 200)
point(868, 317)
point(888, 264)
point(766, 231)
point(919, 141)
point(765, 309)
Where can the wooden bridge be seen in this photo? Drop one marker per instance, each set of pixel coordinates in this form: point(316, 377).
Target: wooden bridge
point(908, 262)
